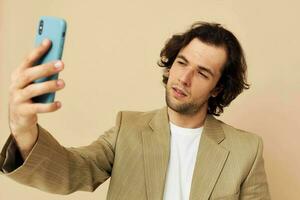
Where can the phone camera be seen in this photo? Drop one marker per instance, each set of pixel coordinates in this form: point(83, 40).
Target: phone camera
point(41, 26)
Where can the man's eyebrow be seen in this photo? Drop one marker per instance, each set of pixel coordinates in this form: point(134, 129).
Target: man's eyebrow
point(199, 66)
point(183, 58)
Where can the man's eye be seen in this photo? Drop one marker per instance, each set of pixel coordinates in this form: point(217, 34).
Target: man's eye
point(202, 74)
point(180, 62)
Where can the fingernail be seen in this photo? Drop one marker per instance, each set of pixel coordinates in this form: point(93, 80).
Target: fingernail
point(58, 104)
point(58, 64)
point(59, 83)
point(45, 42)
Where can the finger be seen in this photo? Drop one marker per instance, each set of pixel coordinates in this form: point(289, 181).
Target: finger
point(32, 109)
point(37, 53)
point(34, 73)
point(37, 89)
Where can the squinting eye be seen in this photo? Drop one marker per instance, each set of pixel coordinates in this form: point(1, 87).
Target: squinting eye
point(202, 74)
point(180, 62)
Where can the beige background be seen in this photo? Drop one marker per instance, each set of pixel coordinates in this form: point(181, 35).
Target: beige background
point(110, 55)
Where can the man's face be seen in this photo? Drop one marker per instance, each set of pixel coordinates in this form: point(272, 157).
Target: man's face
point(193, 77)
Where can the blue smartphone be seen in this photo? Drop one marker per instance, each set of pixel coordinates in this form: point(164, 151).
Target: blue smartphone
point(54, 29)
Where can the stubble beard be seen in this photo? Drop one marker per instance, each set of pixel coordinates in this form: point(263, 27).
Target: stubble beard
point(189, 108)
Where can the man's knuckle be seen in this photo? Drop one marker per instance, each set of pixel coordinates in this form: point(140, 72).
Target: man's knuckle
point(28, 92)
point(47, 69)
point(34, 110)
point(49, 87)
point(39, 51)
point(28, 59)
point(16, 98)
point(31, 57)
point(51, 68)
point(26, 77)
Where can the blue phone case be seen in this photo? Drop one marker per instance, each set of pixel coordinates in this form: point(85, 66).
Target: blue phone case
point(54, 29)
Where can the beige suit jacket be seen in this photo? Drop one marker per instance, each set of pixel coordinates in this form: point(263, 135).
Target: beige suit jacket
point(135, 154)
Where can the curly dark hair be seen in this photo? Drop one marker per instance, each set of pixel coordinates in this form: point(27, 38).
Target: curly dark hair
point(233, 79)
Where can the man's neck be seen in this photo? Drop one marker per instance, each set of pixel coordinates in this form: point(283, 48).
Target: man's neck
point(187, 121)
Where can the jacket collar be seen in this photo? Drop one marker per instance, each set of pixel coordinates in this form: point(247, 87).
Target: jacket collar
point(211, 157)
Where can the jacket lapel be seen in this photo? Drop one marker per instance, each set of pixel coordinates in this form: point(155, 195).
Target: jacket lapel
point(156, 149)
point(211, 158)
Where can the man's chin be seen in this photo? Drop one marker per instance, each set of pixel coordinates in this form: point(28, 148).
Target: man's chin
point(183, 109)
point(180, 106)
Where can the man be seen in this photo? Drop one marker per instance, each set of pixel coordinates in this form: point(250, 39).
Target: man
point(177, 152)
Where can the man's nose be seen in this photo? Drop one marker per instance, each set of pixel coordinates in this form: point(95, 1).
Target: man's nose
point(186, 77)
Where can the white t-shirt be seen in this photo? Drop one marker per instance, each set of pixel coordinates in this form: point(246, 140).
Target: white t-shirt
point(183, 153)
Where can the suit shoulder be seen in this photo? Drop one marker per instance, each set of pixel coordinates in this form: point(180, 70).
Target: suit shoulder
point(240, 138)
point(138, 114)
point(238, 133)
point(137, 118)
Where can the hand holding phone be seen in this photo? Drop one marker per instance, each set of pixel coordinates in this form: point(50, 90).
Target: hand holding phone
point(23, 112)
point(28, 82)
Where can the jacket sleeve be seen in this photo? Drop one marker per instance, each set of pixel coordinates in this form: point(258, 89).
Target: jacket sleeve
point(10, 156)
point(255, 186)
point(53, 168)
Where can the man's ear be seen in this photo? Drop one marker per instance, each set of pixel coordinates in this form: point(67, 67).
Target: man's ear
point(216, 91)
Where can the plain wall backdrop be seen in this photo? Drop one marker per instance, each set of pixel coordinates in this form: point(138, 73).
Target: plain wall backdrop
point(110, 59)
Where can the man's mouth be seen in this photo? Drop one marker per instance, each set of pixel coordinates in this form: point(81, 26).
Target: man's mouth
point(179, 92)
